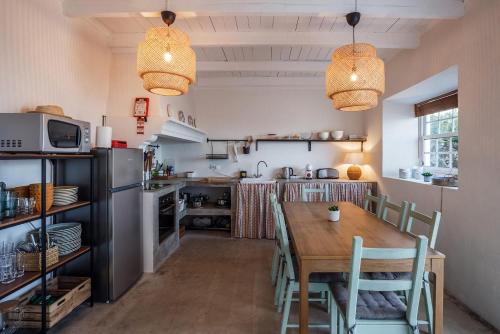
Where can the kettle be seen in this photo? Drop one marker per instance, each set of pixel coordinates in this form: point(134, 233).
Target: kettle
point(287, 172)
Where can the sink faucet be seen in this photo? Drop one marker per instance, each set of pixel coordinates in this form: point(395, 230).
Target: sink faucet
point(258, 164)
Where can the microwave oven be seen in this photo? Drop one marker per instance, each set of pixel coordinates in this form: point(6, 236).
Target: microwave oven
point(38, 132)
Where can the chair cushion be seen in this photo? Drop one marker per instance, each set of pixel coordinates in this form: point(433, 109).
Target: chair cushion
point(372, 305)
point(391, 276)
point(318, 277)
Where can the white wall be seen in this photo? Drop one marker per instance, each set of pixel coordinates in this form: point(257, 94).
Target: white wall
point(46, 58)
point(252, 111)
point(400, 138)
point(125, 85)
point(470, 227)
point(233, 112)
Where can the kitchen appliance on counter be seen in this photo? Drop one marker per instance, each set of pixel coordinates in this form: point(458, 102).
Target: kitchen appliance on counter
point(309, 172)
point(287, 172)
point(39, 132)
point(118, 251)
point(327, 173)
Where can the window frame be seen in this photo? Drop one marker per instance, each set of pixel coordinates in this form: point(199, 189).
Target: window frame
point(422, 136)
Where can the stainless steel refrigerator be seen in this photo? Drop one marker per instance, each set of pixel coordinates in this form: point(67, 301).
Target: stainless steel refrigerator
point(118, 251)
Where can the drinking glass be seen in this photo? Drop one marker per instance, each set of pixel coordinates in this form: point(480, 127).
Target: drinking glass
point(19, 264)
point(6, 269)
point(20, 206)
point(31, 205)
point(10, 202)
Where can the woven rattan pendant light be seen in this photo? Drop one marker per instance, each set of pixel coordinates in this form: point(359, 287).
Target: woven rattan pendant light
point(356, 77)
point(165, 61)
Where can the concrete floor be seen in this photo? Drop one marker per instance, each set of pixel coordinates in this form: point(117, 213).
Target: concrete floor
point(212, 284)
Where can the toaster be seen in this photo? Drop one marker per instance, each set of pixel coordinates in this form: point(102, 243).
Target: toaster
point(327, 173)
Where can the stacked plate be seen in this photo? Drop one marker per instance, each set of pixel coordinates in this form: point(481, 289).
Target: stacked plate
point(66, 236)
point(65, 195)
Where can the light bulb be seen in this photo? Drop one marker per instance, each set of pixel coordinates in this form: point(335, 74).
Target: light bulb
point(354, 76)
point(167, 56)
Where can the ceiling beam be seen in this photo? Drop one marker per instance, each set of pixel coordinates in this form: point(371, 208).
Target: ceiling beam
point(423, 9)
point(245, 82)
point(320, 39)
point(261, 66)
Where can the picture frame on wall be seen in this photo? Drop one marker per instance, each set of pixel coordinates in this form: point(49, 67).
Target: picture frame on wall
point(141, 107)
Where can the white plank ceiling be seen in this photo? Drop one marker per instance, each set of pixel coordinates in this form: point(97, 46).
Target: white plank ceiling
point(137, 24)
point(268, 38)
point(214, 24)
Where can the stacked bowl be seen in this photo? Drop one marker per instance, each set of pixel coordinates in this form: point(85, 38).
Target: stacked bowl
point(65, 195)
point(66, 236)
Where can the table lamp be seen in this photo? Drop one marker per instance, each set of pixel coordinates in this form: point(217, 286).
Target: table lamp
point(354, 159)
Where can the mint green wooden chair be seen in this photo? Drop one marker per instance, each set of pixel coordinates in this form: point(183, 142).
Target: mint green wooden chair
point(433, 229)
point(319, 283)
point(432, 224)
point(278, 256)
point(277, 253)
point(400, 210)
point(366, 306)
point(378, 201)
point(308, 193)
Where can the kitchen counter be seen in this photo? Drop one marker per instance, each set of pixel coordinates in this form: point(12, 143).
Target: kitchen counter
point(179, 183)
point(230, 181)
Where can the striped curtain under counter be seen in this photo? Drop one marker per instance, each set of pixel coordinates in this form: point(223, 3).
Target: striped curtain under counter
point(254, 218)
point(341, 190)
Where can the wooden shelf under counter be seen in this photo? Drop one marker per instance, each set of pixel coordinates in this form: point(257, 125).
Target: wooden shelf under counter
point(209, 209)
point(31, 276)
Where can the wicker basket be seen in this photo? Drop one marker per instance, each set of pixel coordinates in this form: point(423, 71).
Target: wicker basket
point(33, 261)
point(36, 193)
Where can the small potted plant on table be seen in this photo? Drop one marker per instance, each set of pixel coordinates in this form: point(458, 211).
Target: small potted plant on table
point(427, 176)
point(334, 213)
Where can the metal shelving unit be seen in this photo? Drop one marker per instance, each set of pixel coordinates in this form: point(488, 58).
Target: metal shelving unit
point(30, 277)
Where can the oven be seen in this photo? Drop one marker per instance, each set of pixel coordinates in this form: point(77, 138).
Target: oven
point(166, 217)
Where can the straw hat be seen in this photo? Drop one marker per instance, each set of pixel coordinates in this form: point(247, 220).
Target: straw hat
point(53, 110)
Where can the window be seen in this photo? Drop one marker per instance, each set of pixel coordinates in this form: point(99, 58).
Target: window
point(438, 140)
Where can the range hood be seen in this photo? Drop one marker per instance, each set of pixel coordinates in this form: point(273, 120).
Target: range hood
point(175, 131)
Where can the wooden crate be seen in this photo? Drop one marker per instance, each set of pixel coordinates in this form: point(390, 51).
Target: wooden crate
point(72, 292)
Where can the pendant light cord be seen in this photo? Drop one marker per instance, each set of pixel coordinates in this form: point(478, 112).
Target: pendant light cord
point(353, 35)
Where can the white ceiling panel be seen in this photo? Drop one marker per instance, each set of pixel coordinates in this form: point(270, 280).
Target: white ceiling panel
point(122, 25)
point(210, 26)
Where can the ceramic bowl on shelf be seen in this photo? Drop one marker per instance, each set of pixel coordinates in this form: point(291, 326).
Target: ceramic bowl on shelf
point(306, 135)
point(324, 135)
point(338, 134)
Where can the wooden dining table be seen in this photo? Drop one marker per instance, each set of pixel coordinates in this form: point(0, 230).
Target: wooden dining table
point(324, 246)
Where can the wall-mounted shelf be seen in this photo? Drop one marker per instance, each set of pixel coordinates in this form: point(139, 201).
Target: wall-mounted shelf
point(227, 140)
point(309, 141)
